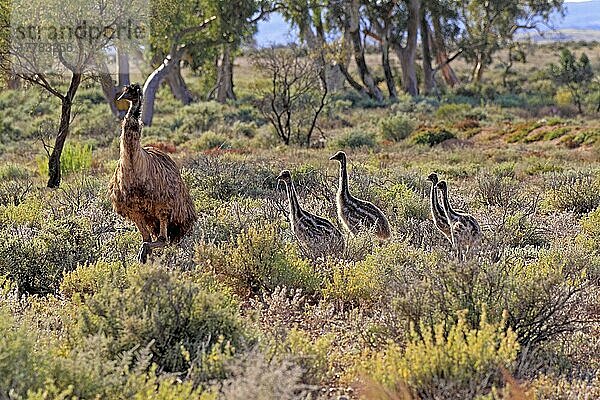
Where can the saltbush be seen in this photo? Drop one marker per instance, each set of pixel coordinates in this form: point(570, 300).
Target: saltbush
point(259, 260)
point(396, 127)
point(452, 112)
point(463, 362)
point(576, 191)
point(353, 139)
point(432, 137)
point(177, 317)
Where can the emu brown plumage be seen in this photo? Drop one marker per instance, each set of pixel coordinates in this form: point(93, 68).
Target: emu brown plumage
point(146, 187)
point(357, 214)
point(319, 236)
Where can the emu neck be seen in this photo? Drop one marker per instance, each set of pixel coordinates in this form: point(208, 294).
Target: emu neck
point(293, 199)
point(436, 208)
point(343, 185)
point(130, 134)
point(450, 213)
point(135, 110)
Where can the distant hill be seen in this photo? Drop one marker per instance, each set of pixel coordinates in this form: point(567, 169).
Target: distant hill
point(581, 19)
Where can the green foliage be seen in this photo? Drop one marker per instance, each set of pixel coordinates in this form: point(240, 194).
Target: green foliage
point(575, 75)
point(452, 112)
point(461, 362)
point(396, 127)
point(404, 203)
point(311, 354)
point(210, 140)
point(353, 283)
point(259, 260)
point(21, 367)
point(36, 258)
point(177, 317)
point(352, 139)
point(573, 191)
point(432, 137)
point(74, 158)
point(199, 117)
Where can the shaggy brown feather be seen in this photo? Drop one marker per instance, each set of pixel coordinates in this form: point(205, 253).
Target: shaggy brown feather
point(147, 187)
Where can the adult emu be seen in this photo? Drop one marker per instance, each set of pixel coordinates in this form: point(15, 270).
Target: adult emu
point(146, 187)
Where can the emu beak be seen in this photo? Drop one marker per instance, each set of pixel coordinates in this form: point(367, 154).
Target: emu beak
point(333, 157)
point(121, 96)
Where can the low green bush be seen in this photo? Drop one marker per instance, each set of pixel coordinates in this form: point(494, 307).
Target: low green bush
point(576, 191)
point(200, 117)
point(396, 127)
point(259, 260)
point(210, 140)
point(432, 137)
point(177, 317)
point(452, 112)
point(353, 139)
point(36, 257)
point(464, 362)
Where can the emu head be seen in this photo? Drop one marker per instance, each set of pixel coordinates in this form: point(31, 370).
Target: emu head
point(285, 176)
point(131, 93)
point(433, 178)
point(441, 185)
point(339, 156)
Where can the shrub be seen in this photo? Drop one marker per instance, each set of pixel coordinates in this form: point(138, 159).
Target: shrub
point(36, 258)
point(199, 117)
point(353, 139)
point(353, 283)
point(396, 128)
point(404, 203)
point(432, 137)
point(210, 140)
point(258, 260)
point(74, 158)
point(21, 366)
point(578, 192)
point(310, 354)
point(452, 112)
point(176, 316)
point(463, 363)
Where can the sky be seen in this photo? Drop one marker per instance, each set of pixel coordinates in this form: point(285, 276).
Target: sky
point(581, 14)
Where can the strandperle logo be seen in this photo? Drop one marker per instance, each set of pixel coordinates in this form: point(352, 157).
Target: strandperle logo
point(49, 36)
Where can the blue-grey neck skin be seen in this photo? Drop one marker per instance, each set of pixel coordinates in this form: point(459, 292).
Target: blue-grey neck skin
point(292, 198)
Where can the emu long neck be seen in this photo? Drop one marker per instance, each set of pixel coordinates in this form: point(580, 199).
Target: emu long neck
point(293, 198)
point(436, 208)
point(450, 213)
point(131, 133)
point(343, 186)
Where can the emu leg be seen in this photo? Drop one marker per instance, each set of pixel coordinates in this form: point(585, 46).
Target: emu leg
point(143, 253)
point(161, 241)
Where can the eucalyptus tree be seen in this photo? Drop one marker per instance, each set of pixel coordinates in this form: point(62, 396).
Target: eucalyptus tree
point(176, 30)
point(490, 25)
point(56, 45)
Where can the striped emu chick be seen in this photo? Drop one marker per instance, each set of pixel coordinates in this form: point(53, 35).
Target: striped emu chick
point(317, 235)
point(357, 214)
point(464, 229)
point(146, 187)
point(437, 210)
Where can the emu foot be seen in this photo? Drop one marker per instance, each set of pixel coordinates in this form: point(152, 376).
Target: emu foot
point(144, 251)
